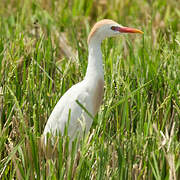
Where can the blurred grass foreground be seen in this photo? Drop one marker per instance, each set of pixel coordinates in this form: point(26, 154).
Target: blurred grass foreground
point(43, 52)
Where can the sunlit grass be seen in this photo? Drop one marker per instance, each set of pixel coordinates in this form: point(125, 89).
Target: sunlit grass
point(43, 52)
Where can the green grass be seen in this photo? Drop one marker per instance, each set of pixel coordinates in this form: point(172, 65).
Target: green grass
point(136, 133)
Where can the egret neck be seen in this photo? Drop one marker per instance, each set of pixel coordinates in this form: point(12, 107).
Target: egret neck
point(95, 73)
point(95, 62)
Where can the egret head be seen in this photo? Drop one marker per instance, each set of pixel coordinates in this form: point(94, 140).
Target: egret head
point(108, 28)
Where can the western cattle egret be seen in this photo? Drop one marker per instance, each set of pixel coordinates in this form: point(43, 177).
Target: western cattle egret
point(87, 93)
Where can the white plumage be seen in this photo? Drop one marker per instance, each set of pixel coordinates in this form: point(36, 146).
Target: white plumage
point(88, 92)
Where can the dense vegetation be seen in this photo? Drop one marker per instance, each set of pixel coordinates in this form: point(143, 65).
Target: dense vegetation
point(43, 52)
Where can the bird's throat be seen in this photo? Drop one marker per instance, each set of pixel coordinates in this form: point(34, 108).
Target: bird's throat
point(95, 62)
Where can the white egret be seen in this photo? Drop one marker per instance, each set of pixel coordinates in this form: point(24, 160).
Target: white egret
point(89, 92)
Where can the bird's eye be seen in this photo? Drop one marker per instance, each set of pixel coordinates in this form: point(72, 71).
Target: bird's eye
point(113, 28)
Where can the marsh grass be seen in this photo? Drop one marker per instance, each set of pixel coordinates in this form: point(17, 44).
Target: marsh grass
point(136, 132)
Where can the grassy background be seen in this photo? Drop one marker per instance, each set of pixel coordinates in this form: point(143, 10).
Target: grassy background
point(43, 52)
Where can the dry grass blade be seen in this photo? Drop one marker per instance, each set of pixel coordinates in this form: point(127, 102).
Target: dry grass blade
point(165, 143)
point(65, 48)
point(1, 101)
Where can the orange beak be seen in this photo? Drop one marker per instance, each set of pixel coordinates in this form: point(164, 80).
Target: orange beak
point(129, 30)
